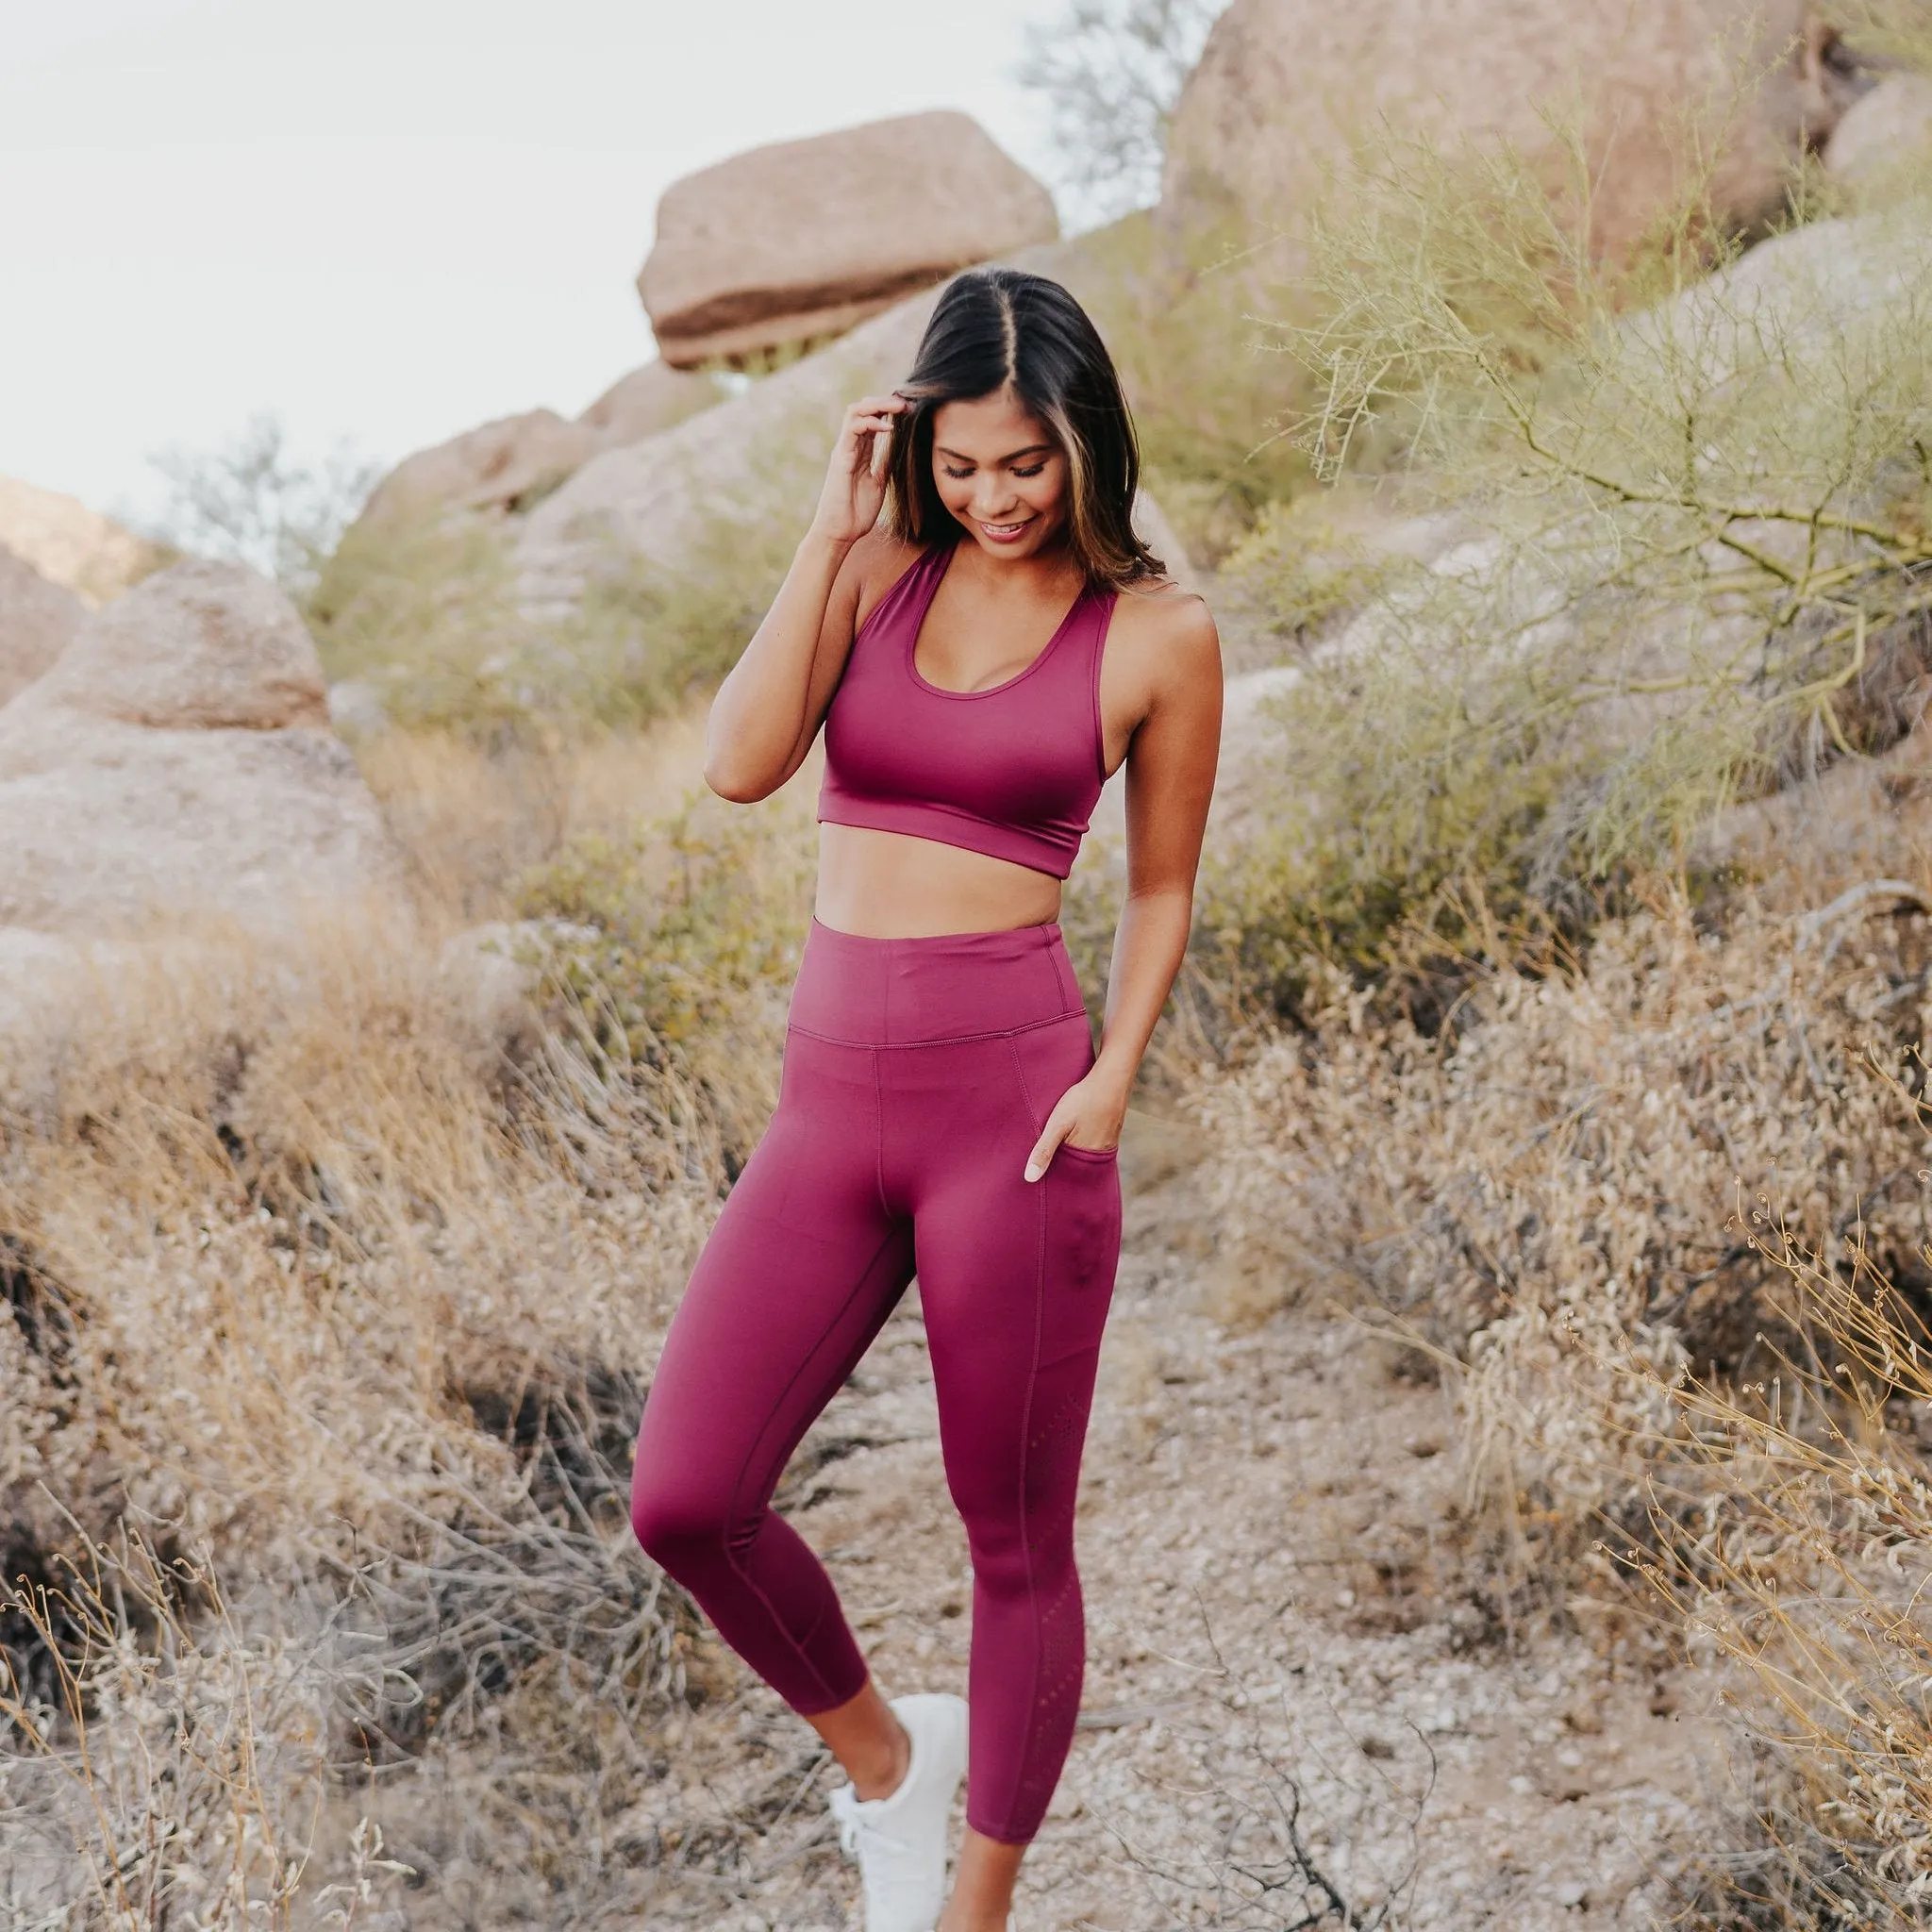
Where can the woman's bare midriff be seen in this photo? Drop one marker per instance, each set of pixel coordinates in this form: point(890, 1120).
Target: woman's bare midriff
point(889, 886)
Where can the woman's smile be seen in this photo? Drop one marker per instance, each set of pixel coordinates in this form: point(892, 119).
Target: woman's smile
point(1009, 532)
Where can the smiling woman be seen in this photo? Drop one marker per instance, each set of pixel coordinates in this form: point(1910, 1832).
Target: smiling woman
point(1023, 354)
point(980, 663)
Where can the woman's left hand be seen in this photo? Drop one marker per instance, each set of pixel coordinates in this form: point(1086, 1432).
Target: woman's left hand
point(1088, 1115)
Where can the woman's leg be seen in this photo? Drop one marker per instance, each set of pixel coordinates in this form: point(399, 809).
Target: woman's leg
point(799, 1275)
point(1015, 1280)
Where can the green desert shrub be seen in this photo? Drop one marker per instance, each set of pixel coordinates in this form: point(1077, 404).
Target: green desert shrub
point(669, 952)
point(426, 608)
point(1210, 404)
point(647, 639)
point(425, 613)
point(1676, 555)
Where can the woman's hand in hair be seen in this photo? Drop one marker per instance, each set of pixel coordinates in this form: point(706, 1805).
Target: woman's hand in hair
point(855, 490)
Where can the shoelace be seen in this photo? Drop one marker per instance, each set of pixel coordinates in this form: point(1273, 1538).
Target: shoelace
point(853, 1828)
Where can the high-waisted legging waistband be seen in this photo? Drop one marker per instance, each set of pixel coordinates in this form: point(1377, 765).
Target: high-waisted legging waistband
point(921, 991)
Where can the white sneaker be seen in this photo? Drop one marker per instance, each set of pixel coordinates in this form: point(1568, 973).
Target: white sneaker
point(900, 1841)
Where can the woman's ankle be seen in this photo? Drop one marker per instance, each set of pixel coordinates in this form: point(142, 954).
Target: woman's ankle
point(882, 1772)
point(864, 1734)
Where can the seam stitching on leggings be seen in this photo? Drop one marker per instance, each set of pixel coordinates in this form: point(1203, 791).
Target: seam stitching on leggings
point(948, 1040)
point(878, 1138)
point(744, 1576)
point(1026, 1466)
point(1033, 1117)
point(1061, 976)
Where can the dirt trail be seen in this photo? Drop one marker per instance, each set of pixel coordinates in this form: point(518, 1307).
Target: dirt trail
point(1270, 1603)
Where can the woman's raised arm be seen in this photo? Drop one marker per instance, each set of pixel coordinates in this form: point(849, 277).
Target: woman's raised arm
point(767, 711)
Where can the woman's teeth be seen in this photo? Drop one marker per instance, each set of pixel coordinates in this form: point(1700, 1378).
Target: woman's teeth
point(1005, 533)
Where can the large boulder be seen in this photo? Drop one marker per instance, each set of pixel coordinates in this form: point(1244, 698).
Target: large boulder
point(1289, 92)
point(176, 764)
point(37, 619)
point(654, 398)
point(752, 464)
point(1804, 297)
point(492, 471)
point(800, 240)
point(73, 545)
point(511, 464)
point(1886, 133)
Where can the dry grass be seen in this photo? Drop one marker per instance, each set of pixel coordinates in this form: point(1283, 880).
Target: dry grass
point(472, 820)
point(1545, 1200)
point(1793, 1520)
point(1554, 1174)
point(333, 1267)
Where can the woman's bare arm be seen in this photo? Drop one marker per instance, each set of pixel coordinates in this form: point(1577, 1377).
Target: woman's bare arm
point(768, 708)
point(1171, 766)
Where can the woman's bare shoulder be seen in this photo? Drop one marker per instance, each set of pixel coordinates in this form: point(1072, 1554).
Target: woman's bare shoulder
point(1158, 614)
point(874, 564)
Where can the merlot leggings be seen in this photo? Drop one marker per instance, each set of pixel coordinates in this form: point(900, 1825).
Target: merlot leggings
point(918, 1073)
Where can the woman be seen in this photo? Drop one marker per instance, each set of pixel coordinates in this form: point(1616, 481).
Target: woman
point(980, 661)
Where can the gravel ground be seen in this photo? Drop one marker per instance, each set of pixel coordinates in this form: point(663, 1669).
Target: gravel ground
point(1271, 1543)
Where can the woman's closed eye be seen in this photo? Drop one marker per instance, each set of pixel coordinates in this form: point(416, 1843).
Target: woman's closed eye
point(1030, 469)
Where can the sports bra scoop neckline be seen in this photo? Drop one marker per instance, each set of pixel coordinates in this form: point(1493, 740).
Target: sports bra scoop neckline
point(921, 608)
point(1014, 770)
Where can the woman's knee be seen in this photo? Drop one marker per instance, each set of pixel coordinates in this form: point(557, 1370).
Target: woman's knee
point(1010, 1562)
point(677, 1521)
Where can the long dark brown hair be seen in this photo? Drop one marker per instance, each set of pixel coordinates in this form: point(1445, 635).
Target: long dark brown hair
point(1000, 327)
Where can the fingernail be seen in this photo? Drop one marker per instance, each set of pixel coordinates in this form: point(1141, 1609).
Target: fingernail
point(1034, 1172)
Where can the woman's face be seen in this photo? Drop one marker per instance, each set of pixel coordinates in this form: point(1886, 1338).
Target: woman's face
point(998, 470)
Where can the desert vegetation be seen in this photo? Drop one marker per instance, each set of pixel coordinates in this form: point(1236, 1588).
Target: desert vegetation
point(1606, 1102)
point(1551, 1036)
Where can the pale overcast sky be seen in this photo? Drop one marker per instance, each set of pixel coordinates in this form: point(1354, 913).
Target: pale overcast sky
point(391, 220)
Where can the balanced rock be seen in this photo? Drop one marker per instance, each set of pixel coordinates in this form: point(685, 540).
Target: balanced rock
point(37, 619)
point(1289, 92)
point(73, 545)
point(800, 240)
point(176, 763)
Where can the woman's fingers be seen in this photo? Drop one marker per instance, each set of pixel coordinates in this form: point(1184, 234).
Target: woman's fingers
point(1056, 1130)
point(873, 412)
point(860, 424)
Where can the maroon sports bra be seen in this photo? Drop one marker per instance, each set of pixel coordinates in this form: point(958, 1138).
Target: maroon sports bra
point(1013, 771)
